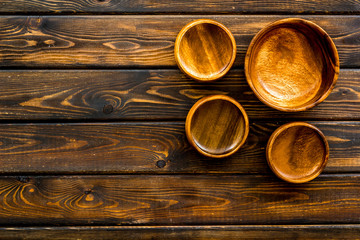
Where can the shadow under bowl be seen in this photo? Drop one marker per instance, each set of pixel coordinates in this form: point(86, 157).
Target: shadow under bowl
point(292, 65)
point(205, 50)
point(297, 152)
point(217, 126)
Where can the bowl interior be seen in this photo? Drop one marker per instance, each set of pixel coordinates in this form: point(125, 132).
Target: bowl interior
point(205, 50)
point(217, 126)
point(297, 153)
point(292, 65)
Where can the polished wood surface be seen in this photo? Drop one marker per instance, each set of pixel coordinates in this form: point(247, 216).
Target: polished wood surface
point(205, 50)
point(217, 126)
point(297, 152)
point(292, 65)
point(93, 109)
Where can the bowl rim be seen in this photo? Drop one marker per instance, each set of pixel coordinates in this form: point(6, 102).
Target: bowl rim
point(274, 136)
point(268, 27)
point(196, 106)
point(180, 37)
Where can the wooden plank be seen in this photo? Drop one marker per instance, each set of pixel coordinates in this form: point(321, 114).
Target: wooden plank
point(147, 94)
point(138, 41)
point(158, 147)
point(177, 200)
point(225, 232)
point(183, 6)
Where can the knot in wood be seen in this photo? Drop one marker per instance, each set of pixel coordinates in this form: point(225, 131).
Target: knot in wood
point(34, 22)
point(108, 109)
point(88, 191)
point(160, 163)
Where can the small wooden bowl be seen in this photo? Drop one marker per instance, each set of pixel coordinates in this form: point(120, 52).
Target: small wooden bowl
point(297, 152)
point(292, 65)
point(205, 50)
point(217, 126)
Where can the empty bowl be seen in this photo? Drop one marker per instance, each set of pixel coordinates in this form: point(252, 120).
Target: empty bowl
point(297, 152)
point(292, 65)
point(217, 126)
point(205, 50)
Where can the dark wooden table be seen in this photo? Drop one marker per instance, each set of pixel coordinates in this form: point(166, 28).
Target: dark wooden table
point(92, 140)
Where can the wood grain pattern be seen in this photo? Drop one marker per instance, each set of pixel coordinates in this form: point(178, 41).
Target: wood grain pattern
point(147, 94)
point(177, 200)
point(292, 65)
point(217, 126)
point(224, 232)
point(297, 152)
point(150, 6)
point(150, 148)
point(127, 118)
point(138, 41)
point(205, 50)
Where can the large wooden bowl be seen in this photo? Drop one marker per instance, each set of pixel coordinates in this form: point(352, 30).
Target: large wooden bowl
point(297, 152)
point(205, 50)
point(217, 126)
point(292, 65)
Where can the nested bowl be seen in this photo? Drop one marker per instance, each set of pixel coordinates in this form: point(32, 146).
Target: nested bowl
point(297, 152)
point(292, 65)
point(217, 126)
point(205, 50)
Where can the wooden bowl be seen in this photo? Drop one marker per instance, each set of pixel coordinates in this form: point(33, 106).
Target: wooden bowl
point(217, 126)
point(292, 65)
point(297, 152)
point(205, 50)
